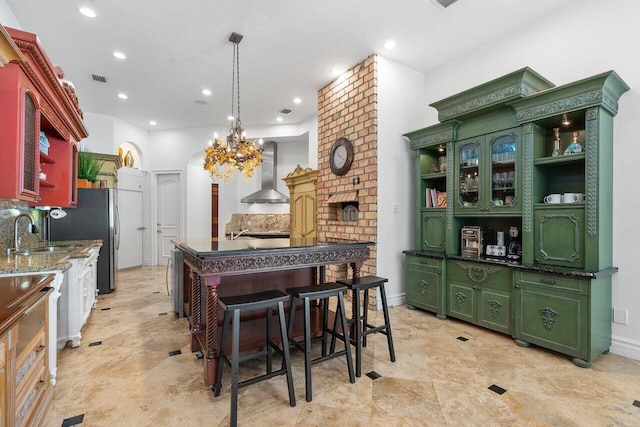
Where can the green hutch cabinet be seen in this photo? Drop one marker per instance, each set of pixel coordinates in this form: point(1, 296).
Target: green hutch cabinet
point(520, 153)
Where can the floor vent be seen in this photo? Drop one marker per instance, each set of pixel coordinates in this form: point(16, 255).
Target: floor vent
point(99, 79)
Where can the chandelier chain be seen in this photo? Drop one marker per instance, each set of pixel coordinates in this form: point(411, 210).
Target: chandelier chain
point(235, 87)
point(222, 157)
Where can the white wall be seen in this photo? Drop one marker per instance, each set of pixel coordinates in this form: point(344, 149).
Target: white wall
point(100, 128)
point(584, 38)
point(401, 108)
point(7, 18)
point(177, 148)
point(311, 127)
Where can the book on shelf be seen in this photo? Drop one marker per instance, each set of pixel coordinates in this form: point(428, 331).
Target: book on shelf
point(435, 198)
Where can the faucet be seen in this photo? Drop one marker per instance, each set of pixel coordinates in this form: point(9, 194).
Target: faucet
point(16, 239)
point(240, 233)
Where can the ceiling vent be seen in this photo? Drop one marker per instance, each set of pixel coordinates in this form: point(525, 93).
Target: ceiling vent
point(442, 4)
point(285, 111)
point(99, 79)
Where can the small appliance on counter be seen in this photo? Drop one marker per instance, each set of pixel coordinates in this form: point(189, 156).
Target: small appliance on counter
point(471, 242)
point(499, 249)
point(515, 247)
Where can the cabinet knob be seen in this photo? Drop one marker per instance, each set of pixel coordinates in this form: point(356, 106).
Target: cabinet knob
point(517, 286)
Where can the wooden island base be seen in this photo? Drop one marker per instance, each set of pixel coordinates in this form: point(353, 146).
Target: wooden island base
point(214, 268)
point(253, 326)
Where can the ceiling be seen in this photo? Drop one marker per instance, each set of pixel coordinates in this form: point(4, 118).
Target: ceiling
point(176, 48)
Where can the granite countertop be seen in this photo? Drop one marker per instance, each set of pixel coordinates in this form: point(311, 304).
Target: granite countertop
point(569, 272)
point(14, 292)
point(203, 247)
point(44, 262)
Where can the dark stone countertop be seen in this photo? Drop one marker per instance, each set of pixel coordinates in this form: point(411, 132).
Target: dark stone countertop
point(213, 248)
point(568, 272)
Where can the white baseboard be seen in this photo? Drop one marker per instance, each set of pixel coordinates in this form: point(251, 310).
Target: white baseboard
point(393, 300)
point(625, 347)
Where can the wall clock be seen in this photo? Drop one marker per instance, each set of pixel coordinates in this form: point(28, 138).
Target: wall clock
point(341, 156)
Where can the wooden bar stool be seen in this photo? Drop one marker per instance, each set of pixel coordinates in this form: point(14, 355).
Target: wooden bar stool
point(237, 305)
point(323, 292)
point(361, 326)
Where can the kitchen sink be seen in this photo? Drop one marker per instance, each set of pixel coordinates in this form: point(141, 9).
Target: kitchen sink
point(51, 249)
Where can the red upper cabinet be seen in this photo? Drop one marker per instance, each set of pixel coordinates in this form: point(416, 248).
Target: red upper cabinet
point(35, 102)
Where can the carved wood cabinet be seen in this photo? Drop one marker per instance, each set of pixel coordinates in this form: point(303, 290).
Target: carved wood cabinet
point(25, 379)
point(521, 153)
point(303, 202)
point(41, 122)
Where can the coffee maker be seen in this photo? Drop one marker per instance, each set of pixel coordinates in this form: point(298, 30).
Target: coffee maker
point(515, 247)
point(471, 242)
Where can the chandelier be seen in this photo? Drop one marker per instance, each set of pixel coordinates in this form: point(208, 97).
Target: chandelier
point(222, 158)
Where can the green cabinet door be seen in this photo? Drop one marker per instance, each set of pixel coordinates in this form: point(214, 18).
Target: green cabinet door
point(494, 311)
point(423, 278)
point(433, 230)
point(488, 171)
point(559, 236)
point(552, 319)
point(462, 302)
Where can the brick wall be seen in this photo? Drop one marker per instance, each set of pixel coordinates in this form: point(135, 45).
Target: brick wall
point(347, 107)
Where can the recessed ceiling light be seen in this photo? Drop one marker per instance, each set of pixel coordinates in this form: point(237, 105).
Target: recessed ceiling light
point(390, 44)
point(87, 11)
point(230, 118)
point(278, 119)
point(336, 71)
point(123, 96)
point(153, 122)
point(206, 92)
point(119, 55)
point(297, 100)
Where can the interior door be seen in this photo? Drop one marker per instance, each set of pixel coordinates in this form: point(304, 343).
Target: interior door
point(169, 218)
point(130, 250)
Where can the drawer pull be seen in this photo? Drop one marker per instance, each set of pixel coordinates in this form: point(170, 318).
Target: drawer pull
point(39, 349)
point(548, 281)
point(40, 384)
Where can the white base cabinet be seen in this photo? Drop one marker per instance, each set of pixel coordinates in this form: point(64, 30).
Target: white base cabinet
point(79, 290)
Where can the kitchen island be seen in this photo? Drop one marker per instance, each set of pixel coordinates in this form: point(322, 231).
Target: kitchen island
point(214, 267)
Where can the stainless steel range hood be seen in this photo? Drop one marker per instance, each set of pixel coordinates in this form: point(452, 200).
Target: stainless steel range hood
point(268, 192)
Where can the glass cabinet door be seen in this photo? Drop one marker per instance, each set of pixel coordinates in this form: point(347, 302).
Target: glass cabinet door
point(470, 185)
point(503, 171)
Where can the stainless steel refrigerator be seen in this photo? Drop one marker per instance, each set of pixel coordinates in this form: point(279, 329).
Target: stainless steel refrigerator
point(95, 217)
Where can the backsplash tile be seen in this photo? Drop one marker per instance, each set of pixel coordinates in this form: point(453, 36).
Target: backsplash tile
point(6, 225)
point(257, 223)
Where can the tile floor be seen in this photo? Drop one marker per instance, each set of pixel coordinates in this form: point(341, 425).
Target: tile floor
point(134, 368)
